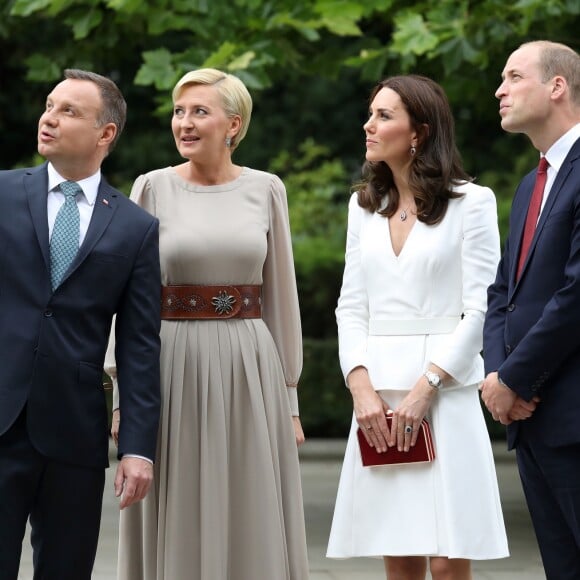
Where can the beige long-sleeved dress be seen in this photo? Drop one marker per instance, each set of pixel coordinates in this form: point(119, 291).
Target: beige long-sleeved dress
point(226, 502)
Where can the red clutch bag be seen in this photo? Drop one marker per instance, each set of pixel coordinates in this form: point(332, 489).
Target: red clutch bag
point(422, 452)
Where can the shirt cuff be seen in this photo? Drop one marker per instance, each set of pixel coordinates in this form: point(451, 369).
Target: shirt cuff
point(115, 393)
point(293, 400)
point(138, 457)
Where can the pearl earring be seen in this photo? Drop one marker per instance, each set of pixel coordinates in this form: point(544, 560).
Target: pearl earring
point(413, 150)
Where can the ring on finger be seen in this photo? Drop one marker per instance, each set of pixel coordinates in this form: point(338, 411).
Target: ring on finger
point(408, 429)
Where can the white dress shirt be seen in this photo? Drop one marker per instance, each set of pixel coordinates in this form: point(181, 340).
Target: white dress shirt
point(556, 155)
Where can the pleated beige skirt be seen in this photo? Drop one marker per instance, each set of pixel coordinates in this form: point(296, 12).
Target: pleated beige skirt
point(227, 501)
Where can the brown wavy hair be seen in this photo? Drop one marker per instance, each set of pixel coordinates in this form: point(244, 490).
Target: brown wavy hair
point(435, 168)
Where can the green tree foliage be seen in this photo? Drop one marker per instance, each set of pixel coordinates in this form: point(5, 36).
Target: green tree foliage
point(310, 65)
point(317, 186)
point(284, 46)
point(258, 39)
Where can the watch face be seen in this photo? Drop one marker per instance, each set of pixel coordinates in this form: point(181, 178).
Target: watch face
point(433, 379)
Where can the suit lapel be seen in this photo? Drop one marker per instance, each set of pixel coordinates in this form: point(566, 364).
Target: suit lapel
point(36, 187)
point(561, 177)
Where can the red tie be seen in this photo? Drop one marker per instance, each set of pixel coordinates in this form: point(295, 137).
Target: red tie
point(533, 212)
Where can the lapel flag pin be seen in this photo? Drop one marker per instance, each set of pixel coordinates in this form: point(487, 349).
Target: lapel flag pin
point(106, 201)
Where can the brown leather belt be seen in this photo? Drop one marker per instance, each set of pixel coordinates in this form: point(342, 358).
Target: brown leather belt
point(193, 302)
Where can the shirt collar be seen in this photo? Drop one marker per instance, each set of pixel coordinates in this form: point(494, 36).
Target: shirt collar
point(89, 185)
point(560, 149)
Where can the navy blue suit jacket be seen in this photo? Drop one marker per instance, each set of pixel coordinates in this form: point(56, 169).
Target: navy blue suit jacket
point(532, 326)
point(53, 344)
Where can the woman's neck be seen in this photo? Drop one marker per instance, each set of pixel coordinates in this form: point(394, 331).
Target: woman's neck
point(206, 174)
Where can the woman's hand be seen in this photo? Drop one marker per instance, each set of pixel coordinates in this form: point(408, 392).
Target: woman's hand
point(298, 432)
point(115, 422)
point(369, 409)
point(408, 415)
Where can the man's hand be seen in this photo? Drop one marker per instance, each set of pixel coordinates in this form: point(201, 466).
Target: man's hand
point(498, 398)
point(523, 409)
point(133, 480)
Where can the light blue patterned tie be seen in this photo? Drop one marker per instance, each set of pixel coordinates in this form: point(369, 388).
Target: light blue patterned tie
point(64, 242)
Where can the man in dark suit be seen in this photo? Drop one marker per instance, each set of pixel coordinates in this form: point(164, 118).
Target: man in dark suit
point(532, 327)
point(54, 328)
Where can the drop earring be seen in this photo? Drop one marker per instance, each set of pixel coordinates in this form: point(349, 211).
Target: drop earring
point(228, 142)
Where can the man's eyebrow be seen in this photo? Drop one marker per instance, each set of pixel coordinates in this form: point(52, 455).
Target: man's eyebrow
point(510, 71)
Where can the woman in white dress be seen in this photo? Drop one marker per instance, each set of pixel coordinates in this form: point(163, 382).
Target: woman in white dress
point(422, 248)
point(226, 502)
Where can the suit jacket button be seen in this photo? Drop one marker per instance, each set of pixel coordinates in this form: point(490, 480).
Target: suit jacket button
point(48, 313)
point(511, 307)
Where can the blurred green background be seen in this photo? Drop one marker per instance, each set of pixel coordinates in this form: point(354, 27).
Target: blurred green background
point(310, 65)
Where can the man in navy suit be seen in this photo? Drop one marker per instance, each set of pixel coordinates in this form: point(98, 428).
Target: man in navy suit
point(532, 327)
point(53, 337)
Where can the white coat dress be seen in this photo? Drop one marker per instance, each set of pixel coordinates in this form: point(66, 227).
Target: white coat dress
point(397, 314)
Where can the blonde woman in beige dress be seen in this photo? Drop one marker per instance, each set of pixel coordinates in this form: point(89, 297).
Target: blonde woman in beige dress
point(226, 502)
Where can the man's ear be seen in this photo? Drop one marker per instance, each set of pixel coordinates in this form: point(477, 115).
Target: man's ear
point(108, 134)
point(559, 87)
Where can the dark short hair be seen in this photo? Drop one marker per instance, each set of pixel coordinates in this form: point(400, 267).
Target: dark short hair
point(435, 168)
point(114, 109)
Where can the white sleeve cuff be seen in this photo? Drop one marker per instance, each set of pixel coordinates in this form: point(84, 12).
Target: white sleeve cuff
point(138, 457)
point(115, 393)
point(293, 400)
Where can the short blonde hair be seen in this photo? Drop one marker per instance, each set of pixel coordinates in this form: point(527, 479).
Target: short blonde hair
point(235, 96)
point(559, 59)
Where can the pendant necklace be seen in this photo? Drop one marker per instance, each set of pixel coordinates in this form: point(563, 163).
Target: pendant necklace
point(403, 214)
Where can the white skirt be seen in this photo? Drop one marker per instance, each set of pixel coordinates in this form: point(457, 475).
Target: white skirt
point(450, 507)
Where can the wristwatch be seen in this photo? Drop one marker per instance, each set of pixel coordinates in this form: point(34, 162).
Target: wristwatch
point(433, 379)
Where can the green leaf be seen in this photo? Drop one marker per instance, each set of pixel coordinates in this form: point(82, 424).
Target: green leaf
point(340, 17)
point(127, 6)
point(83, 25)
point(28, 7)
point(309, 34)
point(42, 68)
point(365, 56)
point(157, 69)
point(412, 35)
point(341, 25)
point(58, 6)
point(529, 4)
point(163, 21)
point(221, 56)
point(243, 61)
